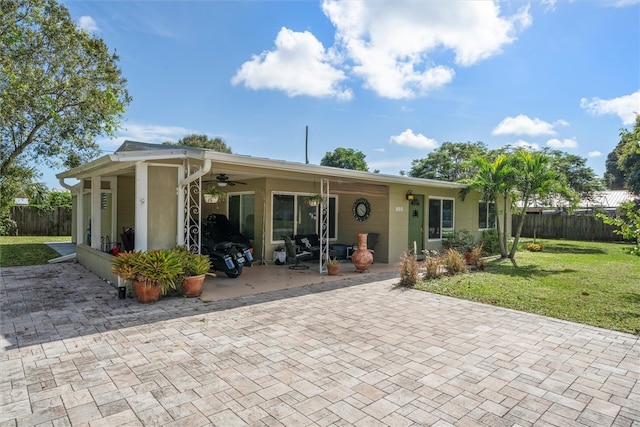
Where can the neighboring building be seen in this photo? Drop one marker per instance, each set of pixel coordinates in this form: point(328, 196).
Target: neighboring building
point(156, 189)
point(602, 201)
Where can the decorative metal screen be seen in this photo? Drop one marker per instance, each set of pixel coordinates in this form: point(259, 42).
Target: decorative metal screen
point(192, 209)
point(324, 224)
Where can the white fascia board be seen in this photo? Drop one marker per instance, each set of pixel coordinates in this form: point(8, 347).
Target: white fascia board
point(326, 171)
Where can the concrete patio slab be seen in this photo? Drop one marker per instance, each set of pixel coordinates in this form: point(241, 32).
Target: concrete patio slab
point(353, 351)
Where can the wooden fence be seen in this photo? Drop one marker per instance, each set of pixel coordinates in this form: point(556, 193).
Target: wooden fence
point(566, 227)
point(34, 222)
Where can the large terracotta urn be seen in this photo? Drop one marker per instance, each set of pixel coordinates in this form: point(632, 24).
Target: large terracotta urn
point(362, 258)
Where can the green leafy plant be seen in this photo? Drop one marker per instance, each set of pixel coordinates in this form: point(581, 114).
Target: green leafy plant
point(628, 224)
point(490, 242)
point(125, 265)
point(160, 267)
point(193, 264)
point(462, 241)
point(333, 261)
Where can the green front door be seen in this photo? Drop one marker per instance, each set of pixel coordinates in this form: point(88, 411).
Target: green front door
point(416, 223)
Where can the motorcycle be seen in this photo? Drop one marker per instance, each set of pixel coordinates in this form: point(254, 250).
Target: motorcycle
point(228, 249)
point(228, 257)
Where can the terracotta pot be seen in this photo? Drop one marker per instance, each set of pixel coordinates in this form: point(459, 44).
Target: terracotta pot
point(333, 270)
point(192, 286)
point(145, 293)
point(362, 258)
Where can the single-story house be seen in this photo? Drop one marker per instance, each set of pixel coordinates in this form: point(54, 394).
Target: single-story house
point(156, 190)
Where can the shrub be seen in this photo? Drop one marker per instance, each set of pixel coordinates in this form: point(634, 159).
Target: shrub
point(433, 266)
point(408, 270)
point(475, 257)
point(462, 241)
point(453, 262)
point(532, 247)
point(490, 243)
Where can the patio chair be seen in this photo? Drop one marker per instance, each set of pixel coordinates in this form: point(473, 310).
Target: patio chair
point(296, 257)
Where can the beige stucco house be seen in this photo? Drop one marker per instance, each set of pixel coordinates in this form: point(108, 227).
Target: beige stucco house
point(156, 190)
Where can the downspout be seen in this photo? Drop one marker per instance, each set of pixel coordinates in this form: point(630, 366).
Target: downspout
point(200, 173)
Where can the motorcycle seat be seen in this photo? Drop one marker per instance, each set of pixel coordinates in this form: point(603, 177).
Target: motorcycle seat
point(223, 245)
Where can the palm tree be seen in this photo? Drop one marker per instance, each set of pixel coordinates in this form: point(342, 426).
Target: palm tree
point(535, 178)
point(495, 180)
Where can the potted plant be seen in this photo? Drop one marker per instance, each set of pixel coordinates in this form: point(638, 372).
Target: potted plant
point(314, 200)
point(124, 265)
point(213, 195)
point(194, 269)
point(157, 271)
point(333, 266)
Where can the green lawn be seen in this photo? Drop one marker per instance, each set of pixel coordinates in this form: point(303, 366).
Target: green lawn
point(587, 282)
point(27, 250)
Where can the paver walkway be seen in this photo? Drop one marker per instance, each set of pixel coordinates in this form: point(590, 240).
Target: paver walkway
point(363, 354)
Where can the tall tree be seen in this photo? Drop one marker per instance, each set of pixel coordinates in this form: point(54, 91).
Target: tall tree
point(534, 177)
point(452, 161)
point(202, 141)
point(60, 88)
point(345, 158)
point(580, 178)
point(496, 181)
point(623, 163)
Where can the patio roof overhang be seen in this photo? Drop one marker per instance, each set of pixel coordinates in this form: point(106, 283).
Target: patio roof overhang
point(243, 167)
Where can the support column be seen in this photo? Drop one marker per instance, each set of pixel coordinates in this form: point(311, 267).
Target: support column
point(142, 193)
point(80, 230)
point(96, 216)
point(180, 238)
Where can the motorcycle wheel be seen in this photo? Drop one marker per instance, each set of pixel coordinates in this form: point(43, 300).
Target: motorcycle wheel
point(236, 272)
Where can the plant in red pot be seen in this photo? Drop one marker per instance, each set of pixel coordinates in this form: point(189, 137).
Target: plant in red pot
point(195, 267)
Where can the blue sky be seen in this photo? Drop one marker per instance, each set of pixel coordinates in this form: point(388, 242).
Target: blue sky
point(394, 79)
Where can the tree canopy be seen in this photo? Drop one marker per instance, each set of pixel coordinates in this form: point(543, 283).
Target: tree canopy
point(345, 158)
point(202, 141)
point(623, 163)
point(60, 88)
point(452, 161)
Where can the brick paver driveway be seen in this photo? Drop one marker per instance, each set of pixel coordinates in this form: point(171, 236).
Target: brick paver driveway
point(359, 354)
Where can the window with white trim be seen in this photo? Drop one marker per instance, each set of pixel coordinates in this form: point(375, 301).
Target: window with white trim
point(291, 215)
point(441, 214)
point(486, 215)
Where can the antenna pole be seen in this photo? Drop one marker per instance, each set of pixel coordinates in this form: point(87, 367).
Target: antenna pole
point(306, 144)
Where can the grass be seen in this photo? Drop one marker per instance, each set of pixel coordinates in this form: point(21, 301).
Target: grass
point(592, 283)
point(27, 250)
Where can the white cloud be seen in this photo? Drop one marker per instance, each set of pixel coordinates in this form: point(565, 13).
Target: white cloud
point(626, 107)
point(523, 125)
point(299, 65)
point(390, 42)
point(410, 139)
point(528, 145)
point(592, 154)
point(88, 24)
point(562, 143)
point(379, 150)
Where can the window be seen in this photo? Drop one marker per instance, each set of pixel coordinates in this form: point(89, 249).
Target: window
point(292, 215)
point(486, 215)
point(242, 213)
point(440, 217)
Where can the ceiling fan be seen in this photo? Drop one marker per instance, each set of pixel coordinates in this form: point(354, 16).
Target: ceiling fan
point(223, 180)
